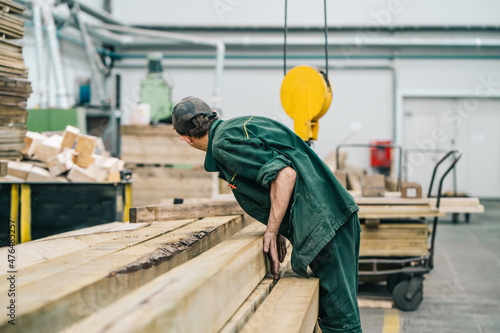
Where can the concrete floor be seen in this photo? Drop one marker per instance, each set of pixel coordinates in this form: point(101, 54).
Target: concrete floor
point(462, 293)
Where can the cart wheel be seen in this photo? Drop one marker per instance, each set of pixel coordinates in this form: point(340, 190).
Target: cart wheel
point(455, 217)
point(394, 279)
point(399, 295)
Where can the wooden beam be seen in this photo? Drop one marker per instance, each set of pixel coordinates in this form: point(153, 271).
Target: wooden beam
point(292, 306)
point(199, 296)
point(69, 288)
point(396, 211)
point(51, 247)
point(173, 212)
point(255, 299)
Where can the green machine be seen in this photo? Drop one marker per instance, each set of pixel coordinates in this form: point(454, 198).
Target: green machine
point(156, 91)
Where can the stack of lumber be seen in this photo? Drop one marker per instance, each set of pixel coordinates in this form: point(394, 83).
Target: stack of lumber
point(403, 236)
point(14, 88)
point(398, 240)
point(163, 166)
point(171, 275)
point(69, 157)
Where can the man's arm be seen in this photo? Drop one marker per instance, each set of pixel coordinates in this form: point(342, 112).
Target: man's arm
point(281, 192)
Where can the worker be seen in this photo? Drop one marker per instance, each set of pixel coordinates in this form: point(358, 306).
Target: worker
point(280, 181)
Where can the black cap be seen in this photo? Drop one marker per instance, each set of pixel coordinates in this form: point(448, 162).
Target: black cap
point(187, 109)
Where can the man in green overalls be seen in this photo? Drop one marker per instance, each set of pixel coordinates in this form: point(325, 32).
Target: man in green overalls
point(280, 181)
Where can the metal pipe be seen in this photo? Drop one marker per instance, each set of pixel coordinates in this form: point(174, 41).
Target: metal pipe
point(218, 44)
point(62, 97)
point(39, 52)
point(368, 41)
point(97, 13)
point(96, 66)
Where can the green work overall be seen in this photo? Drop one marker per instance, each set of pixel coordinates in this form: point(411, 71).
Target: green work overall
point(321, 221)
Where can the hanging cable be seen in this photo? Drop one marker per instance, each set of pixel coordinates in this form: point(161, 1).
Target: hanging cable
point(326, 40)
point(284, 43)
point(285, 31)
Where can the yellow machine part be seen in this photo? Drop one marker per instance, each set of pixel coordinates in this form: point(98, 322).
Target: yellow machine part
point(306, 95)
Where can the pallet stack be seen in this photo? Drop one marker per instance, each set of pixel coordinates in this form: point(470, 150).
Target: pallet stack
point(14, 88)
point(171, 275)
point(163, 166)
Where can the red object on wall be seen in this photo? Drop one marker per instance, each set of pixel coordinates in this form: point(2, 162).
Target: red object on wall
point(380, 157)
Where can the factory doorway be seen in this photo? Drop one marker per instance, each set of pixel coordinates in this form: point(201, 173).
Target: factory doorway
point(434, 125)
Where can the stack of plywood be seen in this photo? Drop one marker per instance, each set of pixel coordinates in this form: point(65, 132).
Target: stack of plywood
point(163, 166)
point(170, 275)
point(14, 88)
point(72, 156)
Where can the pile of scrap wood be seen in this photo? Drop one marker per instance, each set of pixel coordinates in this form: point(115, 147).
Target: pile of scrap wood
point(192, 270)
point(163, 166)
point(70, 156)
point(14, 88)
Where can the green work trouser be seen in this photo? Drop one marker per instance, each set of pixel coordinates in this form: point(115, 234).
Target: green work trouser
point(336, 266)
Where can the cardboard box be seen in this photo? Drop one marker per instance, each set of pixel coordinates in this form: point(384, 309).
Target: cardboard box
point(411, 190)
point(373, 186)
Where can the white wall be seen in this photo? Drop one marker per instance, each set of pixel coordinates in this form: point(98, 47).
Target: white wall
point(308, 12)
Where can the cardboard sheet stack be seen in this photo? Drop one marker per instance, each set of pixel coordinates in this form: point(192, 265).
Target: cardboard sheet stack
point(14, 88)
point(70, 157)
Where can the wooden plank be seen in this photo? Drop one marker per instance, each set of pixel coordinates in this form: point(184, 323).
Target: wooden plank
point(397, 211)
point(65, 295)
point(3, 168)
point(291, 307)
point(149, 130)
point(105, 245)
point(11, 7)
point(182, 300)
point(173, 212)
point(51, 247)
point(255, 299)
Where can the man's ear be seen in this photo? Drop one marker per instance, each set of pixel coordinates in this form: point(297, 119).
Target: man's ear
point(187, 139)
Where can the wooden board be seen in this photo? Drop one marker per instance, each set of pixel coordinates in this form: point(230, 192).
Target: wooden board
point(51, 247)
point(11, 7)
point(255, 299)
point(173, 212)
point(182, 300)
point(63, 290)
point(447, 204)
point(292, 306)
point(397, 211)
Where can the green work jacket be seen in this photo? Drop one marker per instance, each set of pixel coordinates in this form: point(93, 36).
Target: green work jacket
point(248, 152)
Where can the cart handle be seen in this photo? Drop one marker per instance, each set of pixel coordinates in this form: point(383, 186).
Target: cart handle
point(457, 154)
point(369, 145)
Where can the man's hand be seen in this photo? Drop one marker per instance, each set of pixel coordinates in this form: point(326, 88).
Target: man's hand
point(275, 247)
